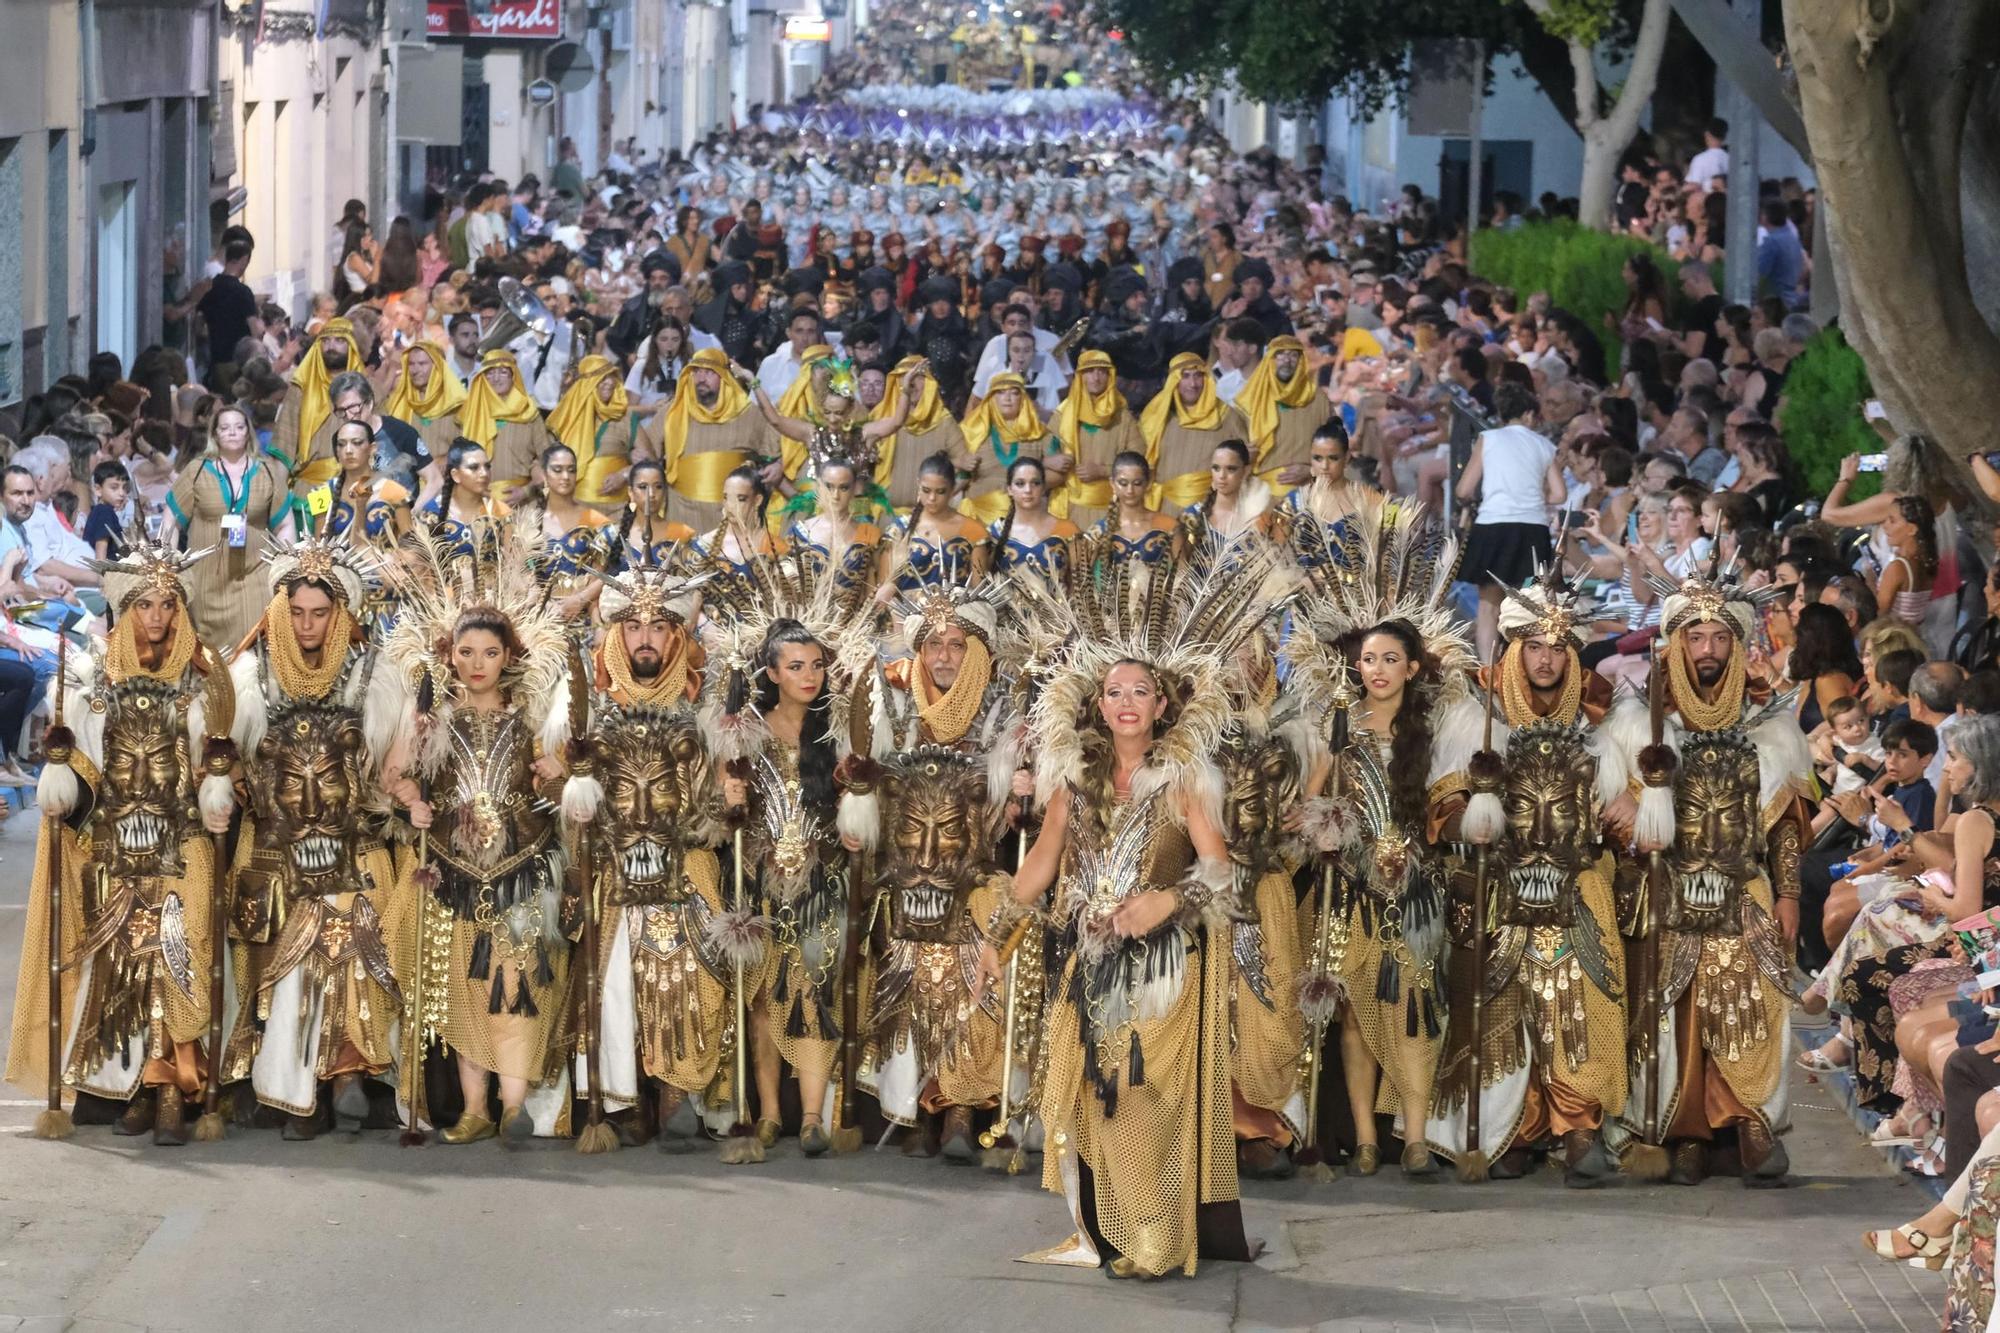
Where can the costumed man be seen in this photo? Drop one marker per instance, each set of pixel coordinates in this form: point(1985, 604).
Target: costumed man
point(1268, 748)
point(595, 420)
point(314, 910)
point(944, 338)
point(1549, 805)
point(728, 318)
point(1003, 428)
point(710, 429)
point(1182, 426)
point(428, 395)
point(927, 429)
point(946, 743)
point(1721, 820)
point(645, 787)
point(1093, 426)
point(500, 417)
point(134, 786)
point(1284, 405)
point(303, 434)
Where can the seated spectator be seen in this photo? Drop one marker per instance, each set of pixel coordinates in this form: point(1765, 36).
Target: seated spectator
point(1822, 665)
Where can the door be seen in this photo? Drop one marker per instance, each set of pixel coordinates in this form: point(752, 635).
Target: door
point(117, 269)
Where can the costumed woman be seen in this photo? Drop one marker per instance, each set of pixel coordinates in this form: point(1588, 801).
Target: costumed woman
point(794, 644)
point(1093, 426)
point(595, 420)
point(935, 543)
point(645, 535)
point(817, 419)
point(1235, 501)
point(826, 532)
point(465, 517)
point(125, 791)
point(1331, 496)
point(1003, 428)
point(368, 509)
point(1141, 896)
point(486, 658)
point(1135, 529)
point(232, 500)
point(1394, 630)
point(741, 553)
point(315, 917)
point(576, 539)
point(1028, 536)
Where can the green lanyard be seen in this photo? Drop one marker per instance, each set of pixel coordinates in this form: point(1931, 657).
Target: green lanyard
point(232, 501)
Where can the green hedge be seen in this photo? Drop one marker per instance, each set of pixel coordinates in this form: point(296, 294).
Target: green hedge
point(1821, 420)
point(1581, 269)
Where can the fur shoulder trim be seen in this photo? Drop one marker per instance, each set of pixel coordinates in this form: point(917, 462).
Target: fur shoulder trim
point(1457, 735)
point(1783, 761)
point(554, 731)
point(387, 710)
point(860, 818)
point(247, 677)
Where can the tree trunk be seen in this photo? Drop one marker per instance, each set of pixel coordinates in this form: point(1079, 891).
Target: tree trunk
point(1606, 136)
point(1891, 97)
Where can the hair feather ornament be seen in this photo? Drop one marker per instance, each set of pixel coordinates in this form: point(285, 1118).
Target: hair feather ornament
point(1186, 622)
point(436, 581)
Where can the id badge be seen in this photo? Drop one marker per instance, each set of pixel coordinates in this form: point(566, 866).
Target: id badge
point(235, 531)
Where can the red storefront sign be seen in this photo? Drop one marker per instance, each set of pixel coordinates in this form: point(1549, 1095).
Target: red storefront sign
point(534, 20)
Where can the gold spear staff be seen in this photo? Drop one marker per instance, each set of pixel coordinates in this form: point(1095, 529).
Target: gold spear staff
point(218, 759)
point(1310, 1156)
point(55, 1123)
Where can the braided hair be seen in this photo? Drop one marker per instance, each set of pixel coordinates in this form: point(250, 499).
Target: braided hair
point(454, 459)
point(816, 748)
point(631, 517)
point(1242, 452)
point(1007, 523)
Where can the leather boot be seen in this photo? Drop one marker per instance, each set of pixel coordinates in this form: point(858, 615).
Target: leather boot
point(1262, 1159)
point(1586, 1166)
point(300, 1128)
point(170, 1118)
point(957, 1145)
point(138, 1115)
point(90, 1109)
point(1689, 1162)
point(1512, 1164)
point(922, 1139)
point(1765, 1160)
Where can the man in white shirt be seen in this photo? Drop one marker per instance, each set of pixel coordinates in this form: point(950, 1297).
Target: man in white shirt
point(777, 371)
point(1713, 160)
point(1045, 382)
point(54, 552)
point(1239, 346)
point(1018, 317)
point(545, 373)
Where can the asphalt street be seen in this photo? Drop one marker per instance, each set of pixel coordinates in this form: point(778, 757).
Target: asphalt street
point(352, 1233)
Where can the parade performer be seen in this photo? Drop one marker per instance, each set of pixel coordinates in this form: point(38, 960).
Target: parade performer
point(1721, 820)
point(314, 905)
point(427, 396)
point(1393, 626)
point(645, 787)
point(1284, 405)
point(131, 793)
point(945, 736)
point(825, 531)
point(1271, 745)
point(1135, 529)
point(646, 535)
point(465, 518)
point(927, 429)
point(1003, 428)
point(500, 417)
point(1547, 805)
point(595, 420)
point(794, 644)
point(1182, 426)
point(935, 542)
point(485, 657)
point(305, 418)
point(577, 541)
point(366, 508)
point(1236, 499)
point(1028, 536)
point(1142, 896)
point(1330, 496)
point(1093, 426)
point(817, 419)
point(706, 432)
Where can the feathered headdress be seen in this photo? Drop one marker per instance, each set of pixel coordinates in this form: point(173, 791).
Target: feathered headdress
point(1718, 595)
point(436, 582)
point(771, 587)
point(974, 607)
point(333, 562)
point(1391, 561)
point(647, 592)
point(1544, 606)
point(1186, 621)
point(145, 567)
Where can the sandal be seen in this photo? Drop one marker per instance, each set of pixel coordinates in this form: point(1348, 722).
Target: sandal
point(1889, 1134)
point(1816, 1061)
point(1930, 1251)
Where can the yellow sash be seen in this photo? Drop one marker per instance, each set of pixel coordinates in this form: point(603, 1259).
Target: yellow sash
point(1190, 488)
point(1279, 490)
point(314, 474)
point(988, 508)
point(699, 477)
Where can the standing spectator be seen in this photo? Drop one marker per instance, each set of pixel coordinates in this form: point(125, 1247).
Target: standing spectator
point(1713, 160)
point(1513, 477)
point(235, 499)
point(230, 308)
point(1781, 259)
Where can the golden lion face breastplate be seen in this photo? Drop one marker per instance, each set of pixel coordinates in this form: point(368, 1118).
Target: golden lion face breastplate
point(308, 796)
point(1549, 795)
point(655, 773)
point(146, 788)
point(937, 842)
point(1716, 832)
point(1260, 782)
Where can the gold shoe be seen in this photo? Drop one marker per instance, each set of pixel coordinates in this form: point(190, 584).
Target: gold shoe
point(767, 1132)
point(1122, 1267)
point(470, 1129)
point(1367, 1160)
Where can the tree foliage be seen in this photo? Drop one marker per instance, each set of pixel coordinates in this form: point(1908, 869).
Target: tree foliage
point(1299, 54)
point(1825, 390)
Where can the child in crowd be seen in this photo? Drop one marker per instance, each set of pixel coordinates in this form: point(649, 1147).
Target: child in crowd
point(111, 484)
point(1849, 753)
